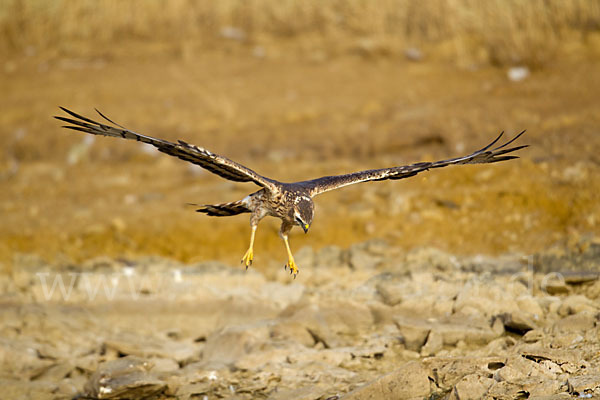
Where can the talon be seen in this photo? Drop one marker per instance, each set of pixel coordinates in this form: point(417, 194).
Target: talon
point(293, 267)
point(247, 259)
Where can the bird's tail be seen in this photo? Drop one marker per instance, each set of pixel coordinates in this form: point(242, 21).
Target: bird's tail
point(224, 210)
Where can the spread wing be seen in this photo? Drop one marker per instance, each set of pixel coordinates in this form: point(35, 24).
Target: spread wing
point(214, 163)
point(483, 156)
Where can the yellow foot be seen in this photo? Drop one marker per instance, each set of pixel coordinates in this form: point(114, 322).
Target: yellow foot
point(247, 259)
point(293, 267)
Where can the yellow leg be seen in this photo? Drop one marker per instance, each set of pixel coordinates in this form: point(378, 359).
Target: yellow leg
point(247, 259)
point(291, 263)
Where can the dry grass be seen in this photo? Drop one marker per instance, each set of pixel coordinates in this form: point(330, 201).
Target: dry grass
point(496, 31)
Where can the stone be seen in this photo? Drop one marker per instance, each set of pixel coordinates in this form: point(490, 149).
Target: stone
point(360, 257)
point(448, 371)
point(126, 377)
point(332, 321)
point(558, 356)
point(414, 332)
point(333, 357)
point(409, 381)
point(152, 347)
point(18, 389)
point(518, 322)
point(255, 360)
point(56, 372)
point(311, 392)
point(391, 292)
point(450, 330)
point(558, 396)
point(229, 344)
point(487, 299)
point(576, 323)
point(434, 343)
point(471, 387)
point(575, 304)
point(533, 336)
point(292, 331)
point(584, 384)
point(529, 305)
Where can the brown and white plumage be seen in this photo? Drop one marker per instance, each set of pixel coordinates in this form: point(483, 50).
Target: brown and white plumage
point(214, 163)
point(291, 202)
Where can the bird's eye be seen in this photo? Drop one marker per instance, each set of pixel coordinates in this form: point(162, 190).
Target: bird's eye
point(299, 221)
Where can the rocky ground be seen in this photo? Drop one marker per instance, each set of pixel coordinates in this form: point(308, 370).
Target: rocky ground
point(367, 322)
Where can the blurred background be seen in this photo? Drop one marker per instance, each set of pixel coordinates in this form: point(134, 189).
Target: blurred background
point(297, 90)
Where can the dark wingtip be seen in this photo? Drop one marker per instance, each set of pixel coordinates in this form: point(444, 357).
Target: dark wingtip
point(108, 119)
point(511, 140)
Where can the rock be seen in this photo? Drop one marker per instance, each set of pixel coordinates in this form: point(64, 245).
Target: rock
point(428, 259)
point(547, 388)
point(469, 329)
point(360, 257)
point(575, 304)
point(472, 386)
point(56, 372)
point(567, 340)
point(446, 372)
point(332, 321)
point(529, 305)
point(409, 381)
point(312, 392)
point(434, 343)
point(580, 322)
point(488, 299)
point(333, 357)
point(229, 344)
point(152, 347)
point(517, 74)
point(391, 292)
point(164, 364)
point(559, 396)
point(292, 331)
point(19, 358)
point(450, 330)
point(559, 356)
point(579, 277)
point(19, 389)
point(414, 332)
point(533, 336)
point(516, 369)
point(256, 360)
point(507, 390)
point(518, 322)
point(126, 377)
point(584, 384)
point(330, 257)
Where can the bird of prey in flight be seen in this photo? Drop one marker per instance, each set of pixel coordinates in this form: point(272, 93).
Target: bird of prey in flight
point(290, 202)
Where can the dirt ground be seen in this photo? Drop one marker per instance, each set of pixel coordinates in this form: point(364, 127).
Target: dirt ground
point(67, 200)
point(66, 197)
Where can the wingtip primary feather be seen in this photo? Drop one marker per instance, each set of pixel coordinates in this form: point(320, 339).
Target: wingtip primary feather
point(108, 119)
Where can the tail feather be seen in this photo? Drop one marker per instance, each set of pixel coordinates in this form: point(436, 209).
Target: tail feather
point(224, 210)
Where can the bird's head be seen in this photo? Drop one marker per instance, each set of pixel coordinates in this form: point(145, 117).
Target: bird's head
point(303, 212)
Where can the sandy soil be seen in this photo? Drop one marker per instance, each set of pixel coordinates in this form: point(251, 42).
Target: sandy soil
point(64, 197)
point(103, 207)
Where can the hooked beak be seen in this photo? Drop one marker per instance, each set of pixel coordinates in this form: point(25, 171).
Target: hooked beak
point(305, 227)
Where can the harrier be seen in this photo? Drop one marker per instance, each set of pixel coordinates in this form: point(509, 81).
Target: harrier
point(291, 202)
